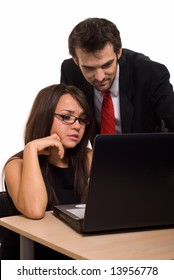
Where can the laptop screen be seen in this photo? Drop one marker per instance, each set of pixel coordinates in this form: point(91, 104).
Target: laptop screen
point(131, 182)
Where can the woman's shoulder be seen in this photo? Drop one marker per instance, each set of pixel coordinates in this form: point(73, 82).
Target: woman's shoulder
point(89, 152)
point(17, 158)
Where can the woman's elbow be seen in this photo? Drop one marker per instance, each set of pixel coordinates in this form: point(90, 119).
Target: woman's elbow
point(35, 214)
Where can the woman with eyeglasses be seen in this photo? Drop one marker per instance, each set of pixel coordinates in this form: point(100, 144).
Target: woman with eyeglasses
point(55, 163)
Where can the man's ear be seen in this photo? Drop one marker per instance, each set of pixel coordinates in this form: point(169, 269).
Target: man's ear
point(75, 59)
point(119, 53)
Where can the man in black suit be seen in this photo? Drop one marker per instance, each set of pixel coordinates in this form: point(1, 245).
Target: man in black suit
point(140, 89)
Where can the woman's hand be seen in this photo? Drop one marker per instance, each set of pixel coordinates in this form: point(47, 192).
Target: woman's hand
point(44, 145)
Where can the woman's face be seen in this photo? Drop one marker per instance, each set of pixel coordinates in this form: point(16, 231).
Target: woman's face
point(70, 133)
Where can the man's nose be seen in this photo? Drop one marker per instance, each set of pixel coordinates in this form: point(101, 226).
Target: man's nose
point(99, 74)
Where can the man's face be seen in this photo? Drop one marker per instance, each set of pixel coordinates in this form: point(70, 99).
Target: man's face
point(99, 68)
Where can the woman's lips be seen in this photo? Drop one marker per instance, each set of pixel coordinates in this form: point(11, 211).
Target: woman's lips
point(73, 137)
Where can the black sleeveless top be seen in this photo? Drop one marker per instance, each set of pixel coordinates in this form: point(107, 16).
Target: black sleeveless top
point(63, 184)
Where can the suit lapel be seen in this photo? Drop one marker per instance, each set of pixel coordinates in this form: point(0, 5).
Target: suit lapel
point(127, 92)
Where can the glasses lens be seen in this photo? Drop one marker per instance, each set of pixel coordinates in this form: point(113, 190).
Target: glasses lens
point(84, 121)
point(68, 119)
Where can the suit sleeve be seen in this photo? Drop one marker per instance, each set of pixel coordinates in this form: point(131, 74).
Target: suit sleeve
point(71, 74)
point(163, 96)
point(63, 76)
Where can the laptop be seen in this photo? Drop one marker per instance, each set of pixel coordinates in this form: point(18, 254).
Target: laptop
point(131, 185)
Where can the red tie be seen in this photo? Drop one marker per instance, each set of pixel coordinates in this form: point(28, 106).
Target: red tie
point(107, 115)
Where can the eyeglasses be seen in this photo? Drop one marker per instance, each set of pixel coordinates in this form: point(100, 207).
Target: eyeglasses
point(70, 119)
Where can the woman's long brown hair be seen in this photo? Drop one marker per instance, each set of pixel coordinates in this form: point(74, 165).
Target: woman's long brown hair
point(39, 125)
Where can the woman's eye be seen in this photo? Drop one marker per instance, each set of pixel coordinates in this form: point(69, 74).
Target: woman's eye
point(66, 117)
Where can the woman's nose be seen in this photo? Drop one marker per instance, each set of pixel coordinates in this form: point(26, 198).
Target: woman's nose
point(76, 124)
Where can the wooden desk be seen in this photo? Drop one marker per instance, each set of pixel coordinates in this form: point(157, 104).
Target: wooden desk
point(53, 233)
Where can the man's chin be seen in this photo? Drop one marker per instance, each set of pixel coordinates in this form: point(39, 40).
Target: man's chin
point(103, 87)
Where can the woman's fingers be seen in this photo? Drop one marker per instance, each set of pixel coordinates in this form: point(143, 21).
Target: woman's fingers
point(58, 144)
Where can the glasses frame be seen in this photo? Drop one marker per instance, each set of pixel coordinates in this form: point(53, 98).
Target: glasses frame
point(61, 117)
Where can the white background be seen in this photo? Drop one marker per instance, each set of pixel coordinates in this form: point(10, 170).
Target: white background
point(33, 43)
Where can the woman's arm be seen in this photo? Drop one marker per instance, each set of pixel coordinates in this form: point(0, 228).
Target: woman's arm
point(24, 178)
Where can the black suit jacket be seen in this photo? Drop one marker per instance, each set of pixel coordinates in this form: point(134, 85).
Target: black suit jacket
point(146, 95)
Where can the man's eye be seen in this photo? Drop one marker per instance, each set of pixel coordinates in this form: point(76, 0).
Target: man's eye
point(106, 65)
point(90, 69)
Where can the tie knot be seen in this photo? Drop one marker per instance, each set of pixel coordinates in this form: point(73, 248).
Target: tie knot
point(105, 93)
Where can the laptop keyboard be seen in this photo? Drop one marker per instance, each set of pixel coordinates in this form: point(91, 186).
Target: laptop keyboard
point(79, 211)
